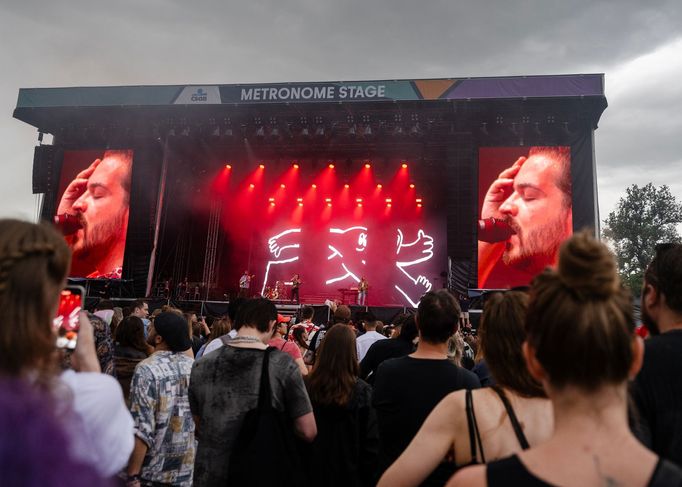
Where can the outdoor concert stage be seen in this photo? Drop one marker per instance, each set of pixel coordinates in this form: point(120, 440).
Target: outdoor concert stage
point(330, 180)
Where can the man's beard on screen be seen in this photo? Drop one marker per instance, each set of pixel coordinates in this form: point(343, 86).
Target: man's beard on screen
point(538, 245)
point(99, 237)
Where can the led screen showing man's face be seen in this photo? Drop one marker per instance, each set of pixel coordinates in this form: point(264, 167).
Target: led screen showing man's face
point(527, 191)
point(94, 206)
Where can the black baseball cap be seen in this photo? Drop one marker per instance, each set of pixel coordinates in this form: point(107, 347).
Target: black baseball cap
point(174, 331)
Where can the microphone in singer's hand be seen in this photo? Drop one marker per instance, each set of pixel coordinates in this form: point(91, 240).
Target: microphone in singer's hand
point(494, 230)
point(67, 224)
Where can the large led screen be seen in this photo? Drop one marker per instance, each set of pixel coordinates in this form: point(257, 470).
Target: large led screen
point(332, 233)
point(93, 208)
point(525, 210)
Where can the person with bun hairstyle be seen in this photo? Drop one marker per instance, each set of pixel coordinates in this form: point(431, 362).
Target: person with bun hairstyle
point(470, 427)
point(582, 347)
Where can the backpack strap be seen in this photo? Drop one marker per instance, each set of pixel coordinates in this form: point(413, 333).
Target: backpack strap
point(474, 434)
point(518, 431)
point(264, 393)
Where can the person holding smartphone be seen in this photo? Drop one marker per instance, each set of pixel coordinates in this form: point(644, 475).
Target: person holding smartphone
point(34, 261)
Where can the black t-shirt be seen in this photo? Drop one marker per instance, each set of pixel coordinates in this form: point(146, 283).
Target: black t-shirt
point(380, 351)
point(406, 390)
point(658, 395)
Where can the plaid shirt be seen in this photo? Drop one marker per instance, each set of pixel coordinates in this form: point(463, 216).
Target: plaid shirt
point(159, 405)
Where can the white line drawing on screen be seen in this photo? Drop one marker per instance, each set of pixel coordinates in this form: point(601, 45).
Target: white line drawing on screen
point(348, 245)
point(411, 254)
point(279, 244)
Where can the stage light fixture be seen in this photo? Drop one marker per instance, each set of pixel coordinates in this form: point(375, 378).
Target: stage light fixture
point(358, 200)
point(351, 131)
point(389, 200)
point(331, 166)
point(260, 133)
point(418, 200)
point(262, 166)
point(282, 185)
point(296, 166)
point(368, 166)
point(272, 203)
point(314, 186)
point(329, 205)
point(305, 132)
point(379, 186)
point(368, 131)
point(346, 185)
point(227, 166)
point(411, 185)
point(404, 165)
point(389, 205)
point(319, 131)
point(419, 205)
point(300, 204)
point(271, 200)
point(252, 185)
point(299, 200)
point(359, 205)
point(328, 200)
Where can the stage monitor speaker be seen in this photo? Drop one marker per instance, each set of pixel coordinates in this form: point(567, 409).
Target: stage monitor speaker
point(43, 168)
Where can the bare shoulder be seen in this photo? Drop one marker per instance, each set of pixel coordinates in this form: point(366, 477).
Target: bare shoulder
point(469, 477)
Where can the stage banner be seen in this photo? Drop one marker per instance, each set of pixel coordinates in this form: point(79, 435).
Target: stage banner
point(526, 212)
point(93, 208)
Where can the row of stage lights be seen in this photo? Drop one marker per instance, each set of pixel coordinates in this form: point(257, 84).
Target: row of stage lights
point(358, 202)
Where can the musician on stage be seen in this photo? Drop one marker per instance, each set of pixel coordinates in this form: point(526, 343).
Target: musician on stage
point(245, 284)
point(363, 285)
point(295, 285)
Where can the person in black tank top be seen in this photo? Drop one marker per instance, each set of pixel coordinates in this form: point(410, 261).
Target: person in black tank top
point(474, 426)
point(581, 307)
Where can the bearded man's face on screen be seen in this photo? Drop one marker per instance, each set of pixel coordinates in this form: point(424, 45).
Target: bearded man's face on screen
point(103, 208)
point(539, 211)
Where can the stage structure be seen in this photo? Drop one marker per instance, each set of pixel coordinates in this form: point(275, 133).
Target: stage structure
point(181, 190)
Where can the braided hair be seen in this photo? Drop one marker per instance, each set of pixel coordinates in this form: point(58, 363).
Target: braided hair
point(34, 261)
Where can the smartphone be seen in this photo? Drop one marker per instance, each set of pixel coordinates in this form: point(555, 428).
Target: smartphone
point(66, 322)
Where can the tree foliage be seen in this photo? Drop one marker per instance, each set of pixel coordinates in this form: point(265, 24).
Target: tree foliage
point(644, 217)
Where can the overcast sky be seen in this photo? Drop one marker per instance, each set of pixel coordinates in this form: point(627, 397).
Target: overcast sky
point(638, 45)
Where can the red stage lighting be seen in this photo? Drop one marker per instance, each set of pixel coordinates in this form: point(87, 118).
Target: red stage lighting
point(296, 166)
point(271, 200)
point(227, 166)
point(300, 204)
point(329, 205)
point(272, 203)
point(314, 186)
point(368, 166)
point(418, 200)
point(252, 185)
point(328, 200)
point(379, 186)
point(411, 185)
point(388, 200)
point(404, 165)
point(358, 200)
point(331, 166)
point(262, 166)
point(419, 205)
point(299, 199)
point(282, 185)
point(388, 205)
point(360, 205)
point(346, 185)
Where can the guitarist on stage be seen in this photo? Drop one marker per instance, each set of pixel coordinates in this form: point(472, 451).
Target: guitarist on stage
point(295, 285)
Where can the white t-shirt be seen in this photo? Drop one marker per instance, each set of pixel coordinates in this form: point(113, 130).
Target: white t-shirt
point(217, 343)
point(101, 430)
point(365, 341)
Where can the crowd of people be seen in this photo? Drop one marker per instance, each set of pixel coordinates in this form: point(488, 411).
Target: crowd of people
point(555, 388)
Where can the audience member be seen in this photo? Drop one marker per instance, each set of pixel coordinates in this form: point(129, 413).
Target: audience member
point(232, 312)
point(164, 428)
point(307, 314)
point(370, 337)
point(344, 452)
point(129, 350)
point(34, 261)
point(224, 387)
point(140, 309)
point(400, 345)
point(341, 315)
point(219, 328)
point(477, 426)
point(116, 318)
point(300, 338)
point(280, 343)
point(657, 389)
point(581, 346)
point(407, 389)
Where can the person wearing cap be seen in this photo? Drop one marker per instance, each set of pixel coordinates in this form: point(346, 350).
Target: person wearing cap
point(280, 343)
point(164, 428)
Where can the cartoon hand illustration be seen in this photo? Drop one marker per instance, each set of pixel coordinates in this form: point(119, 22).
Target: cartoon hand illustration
point(283, 241)
point(423, 281)
point(419, 250)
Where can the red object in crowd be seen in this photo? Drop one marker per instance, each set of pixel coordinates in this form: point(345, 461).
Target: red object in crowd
point(642, 331)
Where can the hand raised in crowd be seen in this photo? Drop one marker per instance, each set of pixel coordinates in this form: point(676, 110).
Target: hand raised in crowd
point(500, 190)
point(76, 188)
point(84, 358)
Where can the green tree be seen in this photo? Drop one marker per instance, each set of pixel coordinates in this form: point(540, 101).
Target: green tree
point(644, 217)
